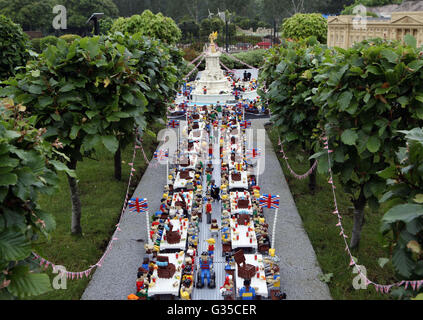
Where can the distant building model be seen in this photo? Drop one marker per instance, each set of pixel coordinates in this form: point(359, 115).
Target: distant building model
point(344, 31)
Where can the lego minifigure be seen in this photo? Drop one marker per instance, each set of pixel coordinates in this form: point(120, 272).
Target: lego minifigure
point(228, 286)
point(205, 267)
point(247, 292)
point(210, 248)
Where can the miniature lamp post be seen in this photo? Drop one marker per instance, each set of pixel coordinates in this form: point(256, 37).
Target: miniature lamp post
point(175, 124)
point(94, 18)
point(140, 205)
point(271, 202)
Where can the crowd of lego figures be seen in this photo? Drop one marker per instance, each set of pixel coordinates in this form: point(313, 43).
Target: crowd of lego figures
point(172, 258)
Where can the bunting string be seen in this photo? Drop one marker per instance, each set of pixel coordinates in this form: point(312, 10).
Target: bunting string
point(193, 61)
point(237, 60)
point(225, 67)
point(297, 176)
point(415, 284)
point(195, 67)
point(80, 274)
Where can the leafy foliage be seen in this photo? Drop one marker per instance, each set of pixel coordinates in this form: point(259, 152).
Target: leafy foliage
point(48, 41)
point(69, 38)
point(189, 28)
point(26, 170)
point(207, 26)
point(156, 26)
point(254, 58)
point(301, 26)
point(161, 64)
point(30, 14)
point(13, 47)
point(289, 77)
point(37, 14)
point(366, 94)
point(79, 91)
point(404, 199)
point(105, 25)
point(369, 3)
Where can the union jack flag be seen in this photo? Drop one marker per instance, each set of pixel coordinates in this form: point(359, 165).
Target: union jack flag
point(173, 124)
point(245, 124)
point(268, 201)
point(253, 153)
point(138, 205)
point(161, 154)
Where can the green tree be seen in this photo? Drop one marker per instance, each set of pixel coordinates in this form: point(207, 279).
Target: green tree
point(105, 25)
point(79, 11)
point(208, 26)
point(162, 63)
point(151, 25)
point(78, 92)
point(289, 75)
point(301, 26)
point(30, 14)
point(189, 28)
point(367, 93)
point(27, 169)
point(13, 47)
point(38, 14)
point(403, 202)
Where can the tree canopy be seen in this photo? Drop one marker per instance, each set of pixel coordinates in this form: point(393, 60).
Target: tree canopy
point(301, 26)
point(152, 25)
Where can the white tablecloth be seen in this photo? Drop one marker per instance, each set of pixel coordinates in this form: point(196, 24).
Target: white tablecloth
point(165, 286)
point(192, 164)
point(241, 231)
point(177, 196)
point(196, 135)
point(233, 201)
point(243, 183)
point(181, 183)
point(259, 284)
point(164, 245)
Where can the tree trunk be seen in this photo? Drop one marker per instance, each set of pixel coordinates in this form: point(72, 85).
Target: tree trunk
point(118, 165)
point(76, 202)
point(359, 205)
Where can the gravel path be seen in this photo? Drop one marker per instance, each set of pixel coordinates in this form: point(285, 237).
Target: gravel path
point(299, 268)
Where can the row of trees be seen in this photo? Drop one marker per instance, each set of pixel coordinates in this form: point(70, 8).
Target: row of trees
point(38, 15)
point(362, 99)
point(61, 107)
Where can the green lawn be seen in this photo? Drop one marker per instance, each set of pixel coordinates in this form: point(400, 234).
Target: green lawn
point(102, 199)
point(319, 223)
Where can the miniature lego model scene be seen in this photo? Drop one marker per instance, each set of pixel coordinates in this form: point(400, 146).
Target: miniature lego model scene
point(209, 239)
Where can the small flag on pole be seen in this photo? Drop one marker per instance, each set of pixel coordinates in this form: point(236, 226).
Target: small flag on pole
point(253, 153)
point(138, 205)
point(161, 154)
point(173, 124)
point(268, 201)
point(245, 124)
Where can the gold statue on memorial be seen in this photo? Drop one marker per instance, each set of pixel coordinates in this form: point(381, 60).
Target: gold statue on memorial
point(212, 37)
